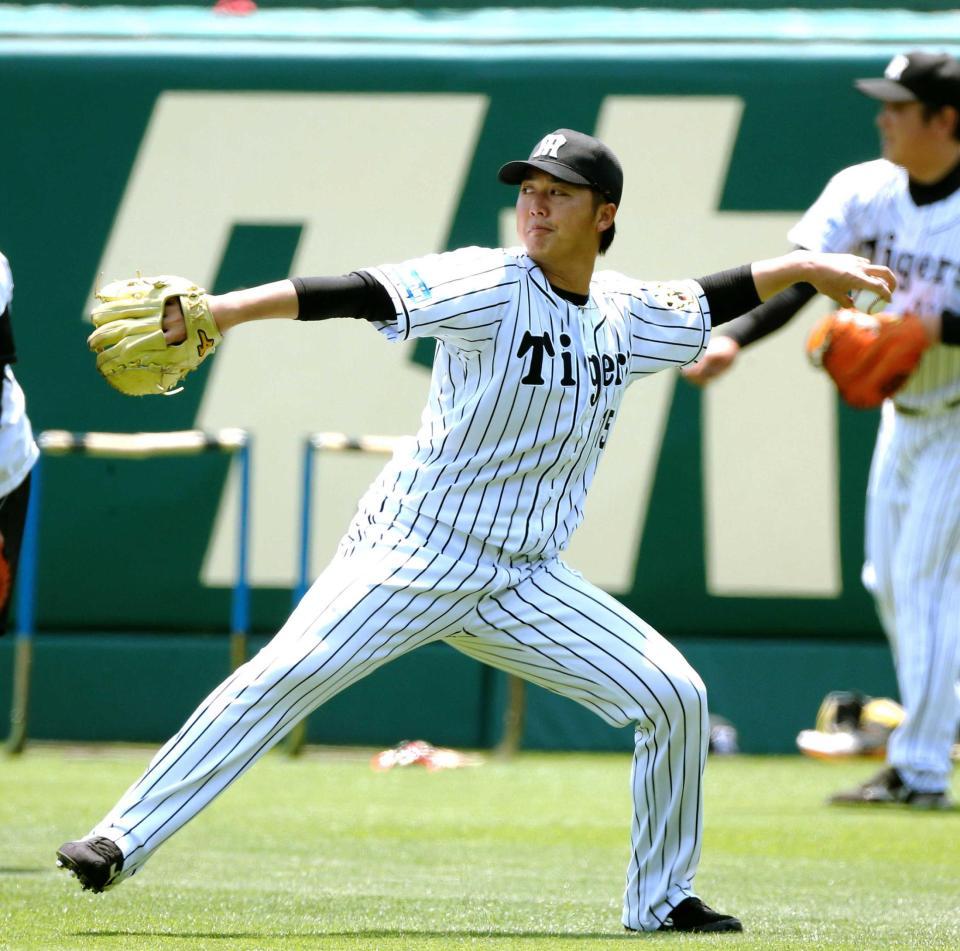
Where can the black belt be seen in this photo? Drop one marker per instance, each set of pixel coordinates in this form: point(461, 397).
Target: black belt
point(927, 411)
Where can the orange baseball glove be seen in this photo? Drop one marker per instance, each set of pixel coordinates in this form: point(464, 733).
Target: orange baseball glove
point(868, 356)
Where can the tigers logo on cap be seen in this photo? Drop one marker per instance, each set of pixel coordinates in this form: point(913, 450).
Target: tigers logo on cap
point(896, 66)
point(549, 145)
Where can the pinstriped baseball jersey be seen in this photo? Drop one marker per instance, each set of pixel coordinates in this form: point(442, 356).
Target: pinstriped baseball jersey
point(867, 209)
point(525, 388)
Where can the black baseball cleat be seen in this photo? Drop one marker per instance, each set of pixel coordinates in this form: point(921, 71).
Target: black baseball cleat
point(888, 788)
point(95, 861)
point(694, 916)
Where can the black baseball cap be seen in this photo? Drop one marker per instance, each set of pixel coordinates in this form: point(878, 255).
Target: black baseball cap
point(572, 157)
point(932, 78)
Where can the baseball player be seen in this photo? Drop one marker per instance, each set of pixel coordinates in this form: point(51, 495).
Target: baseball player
point(18, 451)
point(904, 211)
point(459, 538)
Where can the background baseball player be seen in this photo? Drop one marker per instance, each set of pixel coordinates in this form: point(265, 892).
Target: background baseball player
point(18, 451)
point(903, 210)
point(459, 537)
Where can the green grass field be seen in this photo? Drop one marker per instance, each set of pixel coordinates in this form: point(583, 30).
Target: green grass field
point(322, 852)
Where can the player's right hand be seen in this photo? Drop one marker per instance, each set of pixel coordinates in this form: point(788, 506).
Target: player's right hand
point(720, 355)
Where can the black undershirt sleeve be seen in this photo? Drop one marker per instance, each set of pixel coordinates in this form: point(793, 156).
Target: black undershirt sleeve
point(8, 350)
point(771, 315)
point(950, 330)
point(729, 293)
point(357, 295)
point(732, 296)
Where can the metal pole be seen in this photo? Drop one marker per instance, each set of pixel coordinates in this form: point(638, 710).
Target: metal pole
point(26, 618)
point(514, 717)
point(240, 608)
point(306, 518)
point(297, 737)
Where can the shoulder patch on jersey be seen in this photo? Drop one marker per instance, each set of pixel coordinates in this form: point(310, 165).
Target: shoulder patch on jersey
point(408, 282)
point(673, 297)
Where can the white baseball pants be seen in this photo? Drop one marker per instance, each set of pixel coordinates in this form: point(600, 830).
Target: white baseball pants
point(390, 590)
point(913, 571)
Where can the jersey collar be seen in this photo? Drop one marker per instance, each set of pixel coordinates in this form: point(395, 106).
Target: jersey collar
point(578, 300)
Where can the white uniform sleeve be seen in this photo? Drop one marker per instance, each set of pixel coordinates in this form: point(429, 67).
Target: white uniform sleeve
point(668, 322)
point(6, 284)
point(459, 297)
point(18, 451)
point(832, 221)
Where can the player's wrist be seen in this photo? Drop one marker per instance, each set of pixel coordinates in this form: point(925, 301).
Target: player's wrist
point(255, 303)
point(773, 275)
point(278, 299)
point(802, 266)
point(225, 315)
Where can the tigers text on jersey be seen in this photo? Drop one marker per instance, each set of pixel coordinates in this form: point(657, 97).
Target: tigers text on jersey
point(525, 388)
point(867, 209)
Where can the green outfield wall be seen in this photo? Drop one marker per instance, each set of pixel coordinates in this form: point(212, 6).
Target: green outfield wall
point(242, 150)
point(138, 687)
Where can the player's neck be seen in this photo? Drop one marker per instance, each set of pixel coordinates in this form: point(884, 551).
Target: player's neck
point(935, 166)
point(573, 278)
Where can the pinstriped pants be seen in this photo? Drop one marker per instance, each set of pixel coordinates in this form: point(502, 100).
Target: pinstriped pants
point(391, 589)
point(913, 571)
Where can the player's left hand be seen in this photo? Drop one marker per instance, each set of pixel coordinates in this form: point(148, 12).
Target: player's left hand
point(720, 355)
point(841, 276)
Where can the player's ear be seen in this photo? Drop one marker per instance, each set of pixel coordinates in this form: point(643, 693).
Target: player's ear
point(605, 215)
point(944, 119)
point(951, 119)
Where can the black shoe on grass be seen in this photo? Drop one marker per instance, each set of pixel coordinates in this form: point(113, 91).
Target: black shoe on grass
point(693, 915)
point(95, 861)
point(888, 788)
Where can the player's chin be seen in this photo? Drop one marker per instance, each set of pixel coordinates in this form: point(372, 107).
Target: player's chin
point(538, 235)
point(538, 244)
